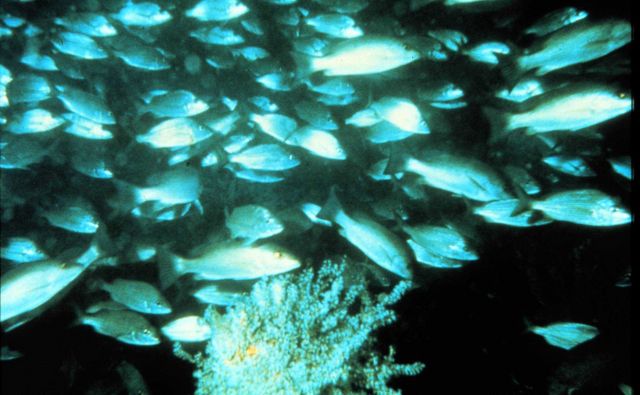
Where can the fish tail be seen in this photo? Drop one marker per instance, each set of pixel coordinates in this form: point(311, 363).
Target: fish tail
point(168, 267)
point(396, 163)
point(332, 209)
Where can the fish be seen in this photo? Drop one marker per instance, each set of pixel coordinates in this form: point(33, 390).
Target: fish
point(576, 43)
point(589, 207)
point(265, 157)
point(229, 260)
point(276, 125)
point(85, 105)
point(139, 296)
point(216, 295)
point(175, 132)
point(132, 379)
point(374, 240)
point(217, 10)
point(187, 329)
point(427, 257)
point(74, 215)
point(556, 20)
point(462, 176)
point(79, 45)
point(142, 14)
point(335, 25)
point(85, 128)
point(571, 108)
point(123, 325)
point(253, 222)
point(318, 142)
point(316, 115)
point(89, 23)
point(368, 54)
point(443, 241)
point(37, 120)
point(175, 104)
point(217, 35)
point(31, 285)
point(28, 88)
point(22, 250)
point(566, 335)
point(569, 164)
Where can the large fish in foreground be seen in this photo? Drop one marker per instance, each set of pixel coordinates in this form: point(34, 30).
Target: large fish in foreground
point(229, 260)
point(574, 44)
point(570, 108)
point(361, 55)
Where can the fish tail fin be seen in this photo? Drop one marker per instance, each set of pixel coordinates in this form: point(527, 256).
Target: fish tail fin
point(498, 124)
point(128, 195)
point(524, 201)
point(168, 267)
point(332, 209)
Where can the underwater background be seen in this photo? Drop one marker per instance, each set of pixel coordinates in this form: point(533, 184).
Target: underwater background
point(469, 324)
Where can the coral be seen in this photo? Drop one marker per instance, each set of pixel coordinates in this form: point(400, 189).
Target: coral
point(304, 333)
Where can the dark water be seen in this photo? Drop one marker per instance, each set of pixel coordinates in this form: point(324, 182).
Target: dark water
point(468, 326)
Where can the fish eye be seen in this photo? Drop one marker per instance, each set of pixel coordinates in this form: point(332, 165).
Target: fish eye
point(622, 95)
point(277, 254)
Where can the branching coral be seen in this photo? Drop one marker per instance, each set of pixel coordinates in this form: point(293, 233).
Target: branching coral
point(305, 333)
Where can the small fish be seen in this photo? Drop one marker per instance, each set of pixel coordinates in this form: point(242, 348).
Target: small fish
point(589, 207)
point(37, 120)
point(88, 23)
point(28, 88)
point(318, 142)
point(361, 55)
point(229, 260)
point(29, 286)
point(269, 157)
point(187, 329)
point(439, 240)
point(275, 125)
point(85, 104)
point(566, 335)
point(79, 45)
point(7, 354)
point(262, 177)
point(138, 55)
point(427, 257)
point(217, 10)
point(174, 132)
point(73, 215)
point(21, 152)
point(217, 35)
point(253, 222)
point(335, 25)
point(522, 91)
point(502, 212)
point(85, 128)
point(374, 240)
point(143, 14)
point(556, 20)
point(215, 295)
point(123, 325)
point(176, 104)
point(137, 295)
point(169, 188)
point(577, 43)
point(569, 164)
point(22, 250)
